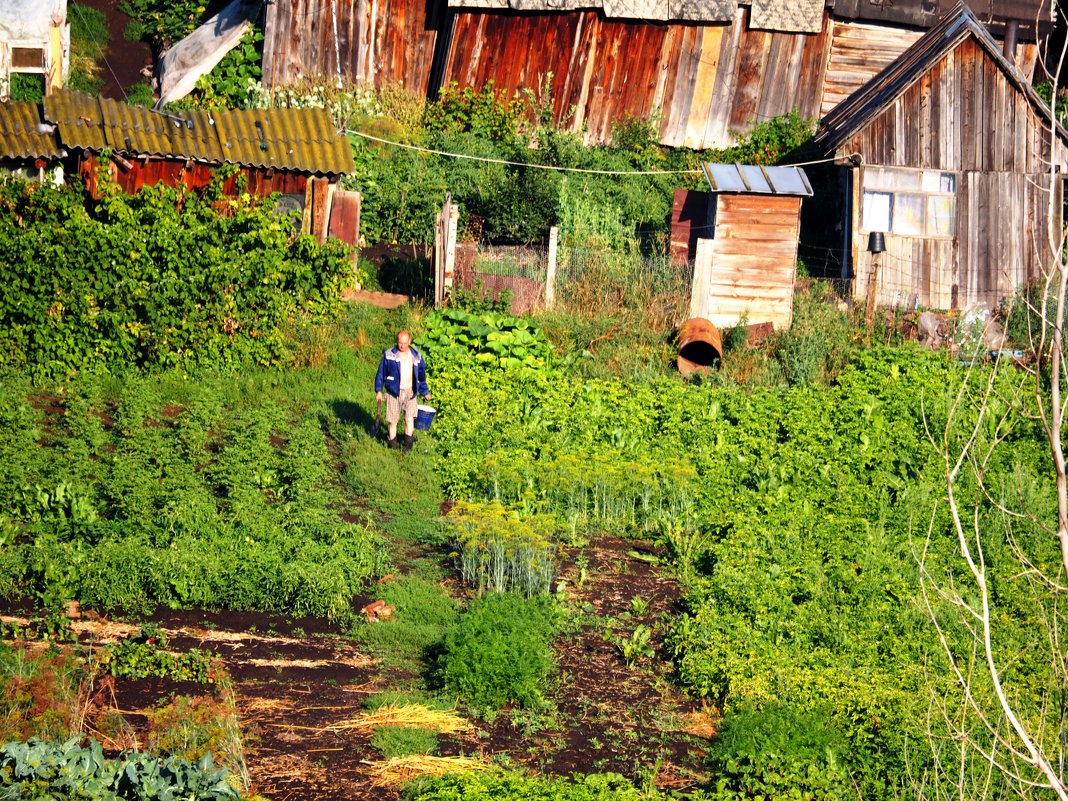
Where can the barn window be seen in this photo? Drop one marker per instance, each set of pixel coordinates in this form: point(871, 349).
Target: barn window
point(919, 203)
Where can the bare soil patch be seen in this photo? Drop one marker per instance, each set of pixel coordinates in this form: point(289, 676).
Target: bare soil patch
point(299, 684)
point(124, 60)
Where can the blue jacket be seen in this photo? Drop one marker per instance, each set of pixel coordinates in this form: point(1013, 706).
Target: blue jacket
point(389, 368)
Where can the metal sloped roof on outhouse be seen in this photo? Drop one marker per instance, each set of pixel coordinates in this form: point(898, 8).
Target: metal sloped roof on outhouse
point(757, 179)
point(24, 136)
point(303, 140)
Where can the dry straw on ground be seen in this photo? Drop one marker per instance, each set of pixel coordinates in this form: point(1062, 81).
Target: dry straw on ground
point(406, 715)
point(401, 769)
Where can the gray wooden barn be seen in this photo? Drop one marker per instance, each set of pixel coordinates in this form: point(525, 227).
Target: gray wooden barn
point(951, 154)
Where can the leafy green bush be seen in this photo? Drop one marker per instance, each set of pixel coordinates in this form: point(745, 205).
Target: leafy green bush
point(499, 651)
point(404, 190)
point(160, 278)
point(26, 87)
point(42, 770)
point(777, 752)
point(520, 787)
point(769, 141)
point(490, 338)
point(232, 81)
point(161, 22)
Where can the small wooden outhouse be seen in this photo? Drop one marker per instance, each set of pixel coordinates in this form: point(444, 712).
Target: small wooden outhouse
point(745, 267)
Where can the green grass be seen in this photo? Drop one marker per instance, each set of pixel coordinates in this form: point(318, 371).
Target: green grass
point(402, 741)
point(407, 642)
point(89, 38)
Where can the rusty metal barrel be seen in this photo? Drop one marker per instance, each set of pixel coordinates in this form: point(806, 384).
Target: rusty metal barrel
point(700, 346)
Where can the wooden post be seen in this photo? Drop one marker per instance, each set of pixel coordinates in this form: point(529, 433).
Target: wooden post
point(445, 251)
point(550, 272)
point(702, 278)
point(439, 260)
point(873, 288)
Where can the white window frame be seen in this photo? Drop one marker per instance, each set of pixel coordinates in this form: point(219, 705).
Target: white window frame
point(909, 203)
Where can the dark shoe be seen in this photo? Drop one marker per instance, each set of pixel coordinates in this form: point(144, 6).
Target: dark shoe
point(408, 442)
point(393, 443)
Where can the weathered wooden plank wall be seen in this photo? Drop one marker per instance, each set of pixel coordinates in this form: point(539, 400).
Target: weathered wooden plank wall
point(753, 260)
point(705, 82)
point(258, 182)
point(377, 41)
point(964, 117)
point(857, 53)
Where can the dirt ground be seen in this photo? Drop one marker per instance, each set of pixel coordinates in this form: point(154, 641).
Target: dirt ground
point(124, 60)
point(296, 679)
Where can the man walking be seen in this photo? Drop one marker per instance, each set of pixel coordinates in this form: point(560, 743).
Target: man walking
point(402, 374)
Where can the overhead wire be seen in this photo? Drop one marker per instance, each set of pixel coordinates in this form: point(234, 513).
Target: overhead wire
point(103, 48)
point(535, 166)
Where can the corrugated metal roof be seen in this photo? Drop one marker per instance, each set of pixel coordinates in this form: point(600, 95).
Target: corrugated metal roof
point(860, 108)
point(756, 179)
point(23, 135)
point(305, 140)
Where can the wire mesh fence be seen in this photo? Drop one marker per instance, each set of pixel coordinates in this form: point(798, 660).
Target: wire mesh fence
point(588, 281)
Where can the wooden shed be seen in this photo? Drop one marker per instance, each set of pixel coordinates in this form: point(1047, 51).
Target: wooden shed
point(298, 153)
point(704, 71)
point(34, 40)
point(952, 155)
point(746, 268)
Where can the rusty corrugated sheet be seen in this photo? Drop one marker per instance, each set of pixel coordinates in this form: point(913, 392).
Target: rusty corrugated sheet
point(23, 135)
point(79, 119)
point(287, 139)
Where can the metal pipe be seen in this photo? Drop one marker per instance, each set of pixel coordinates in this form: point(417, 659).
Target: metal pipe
point(700, 346)
point(1012, 29)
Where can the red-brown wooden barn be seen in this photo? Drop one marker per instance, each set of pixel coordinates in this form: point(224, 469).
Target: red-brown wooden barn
point(702, 70)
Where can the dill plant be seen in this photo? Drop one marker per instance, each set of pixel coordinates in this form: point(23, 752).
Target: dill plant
point(499, 550)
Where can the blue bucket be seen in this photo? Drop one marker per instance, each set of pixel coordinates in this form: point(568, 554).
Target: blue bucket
point(424, 416)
